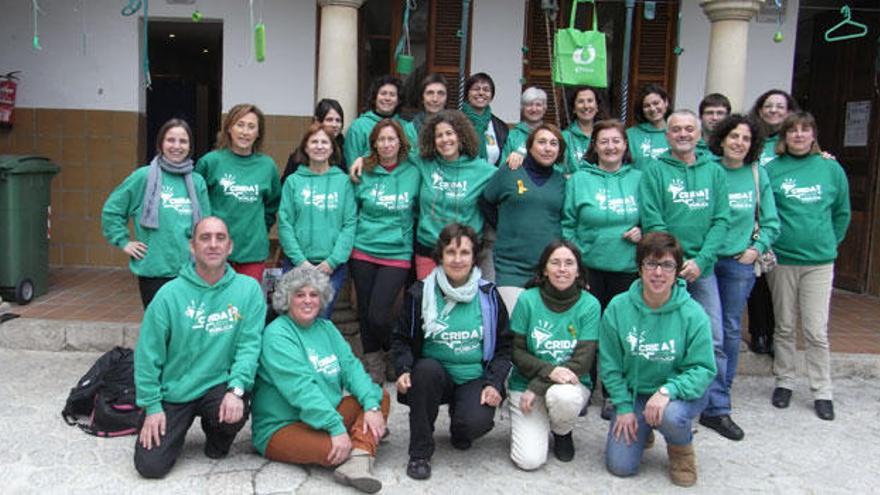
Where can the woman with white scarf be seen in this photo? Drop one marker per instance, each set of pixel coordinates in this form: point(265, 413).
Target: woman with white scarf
point(452, 346)
point(166, 199)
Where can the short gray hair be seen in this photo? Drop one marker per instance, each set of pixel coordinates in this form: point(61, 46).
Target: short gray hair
point(296, 279)
point(531, 94)
point(684, 112)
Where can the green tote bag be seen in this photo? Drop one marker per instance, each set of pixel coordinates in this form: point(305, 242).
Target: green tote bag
point(579, 56)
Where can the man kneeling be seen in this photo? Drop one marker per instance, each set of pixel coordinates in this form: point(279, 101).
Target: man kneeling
point(197, 354)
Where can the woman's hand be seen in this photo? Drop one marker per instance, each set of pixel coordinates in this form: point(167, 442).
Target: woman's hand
point(340, 448)
point(561, 374)
point(654, 409)
point(633, 235)
point(748, 256)
point(356, 169)
point(374, 423)
point(526, 401)
point(324, 267)
point(490, 396)
point(135, 249)
point(514, 160)
point(404, 382)
point(626, 425)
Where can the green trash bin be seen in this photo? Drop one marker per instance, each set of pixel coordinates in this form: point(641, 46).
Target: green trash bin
point(24, 222)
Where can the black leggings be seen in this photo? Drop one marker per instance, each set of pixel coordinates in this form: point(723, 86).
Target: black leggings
point(377, 287)
point(149, 286)
point(605, 285)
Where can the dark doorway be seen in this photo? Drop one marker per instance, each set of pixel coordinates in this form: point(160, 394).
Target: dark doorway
point(186, 70)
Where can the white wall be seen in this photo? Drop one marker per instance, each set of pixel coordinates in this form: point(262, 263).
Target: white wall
point(769, 64)
point(107, 75)
point(496, 49)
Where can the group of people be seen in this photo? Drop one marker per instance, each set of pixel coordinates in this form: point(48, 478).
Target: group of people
point(541, 262)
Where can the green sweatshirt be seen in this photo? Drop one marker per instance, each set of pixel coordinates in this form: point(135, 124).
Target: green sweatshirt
point(449, 193)
point(769, 151)
point(167, 246)
point(812, 197)
point(576, 145)
point(244, 192)
point(318, 217)
point(357, 139)
point(599, 208)
point(516, 142)
point(642, 349)
point(302, 377)
point(646, 142)
point(552, 336)
point(195, 336)
point(741, 195)
point(386, 211)
point(689, 202)
point(522, 203)
point(459, 346)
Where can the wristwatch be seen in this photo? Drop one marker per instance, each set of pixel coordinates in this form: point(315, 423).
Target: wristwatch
point(663, 391)
point(373, 409)
point(236, 391)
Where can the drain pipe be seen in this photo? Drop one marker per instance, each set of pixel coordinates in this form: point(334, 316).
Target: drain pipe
point(463, 49)
point(627, 48)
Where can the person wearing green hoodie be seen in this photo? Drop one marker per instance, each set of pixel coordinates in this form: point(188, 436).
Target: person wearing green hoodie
point(587, 107)
point(714, 107)
point(197, 354)
point(656, 359)
point(302, 414)
point(386, 197)
point(479, 90)
point(533, 107)
point(812, 196)
point(647, 139)
point(243, 186)
point(685, 193)
point(165, 199)
point(318, 216)
point(384, 102)
point(453, 177)
point(433, 92)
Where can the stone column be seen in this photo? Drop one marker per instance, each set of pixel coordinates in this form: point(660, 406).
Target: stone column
point(337, 54)
point(728, 47)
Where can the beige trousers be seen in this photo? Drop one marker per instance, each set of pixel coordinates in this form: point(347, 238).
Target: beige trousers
point(557, 411)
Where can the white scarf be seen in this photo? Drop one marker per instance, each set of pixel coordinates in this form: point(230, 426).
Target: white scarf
point(453, 295)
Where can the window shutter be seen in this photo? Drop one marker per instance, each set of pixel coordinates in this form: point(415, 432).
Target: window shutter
point(537, 61)
point(653, 59)
point(444, 43)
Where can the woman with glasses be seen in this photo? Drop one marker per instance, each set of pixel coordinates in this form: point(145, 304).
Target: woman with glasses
point(479, 90)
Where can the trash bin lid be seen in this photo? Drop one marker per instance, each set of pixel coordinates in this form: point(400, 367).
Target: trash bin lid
point(27, 164)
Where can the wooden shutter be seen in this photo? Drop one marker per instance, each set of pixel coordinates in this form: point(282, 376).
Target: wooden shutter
point(444, 43)
point(653, 59)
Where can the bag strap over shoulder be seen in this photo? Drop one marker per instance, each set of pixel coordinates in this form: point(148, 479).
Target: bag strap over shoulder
point(574, 7)
point(756, 231)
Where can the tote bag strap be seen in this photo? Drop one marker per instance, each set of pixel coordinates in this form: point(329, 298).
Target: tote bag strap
point(574, 12)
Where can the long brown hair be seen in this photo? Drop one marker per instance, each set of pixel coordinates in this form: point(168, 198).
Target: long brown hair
point(235, 113)
point(467, 136)
point(373, 159)
point(793, 120)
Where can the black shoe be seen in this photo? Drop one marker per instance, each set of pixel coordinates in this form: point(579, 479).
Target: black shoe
point(563, 447)
point(824, 409)
point(760, 345)
point(213, 452)
point(724, 425)
point(418, 469)
point(607, 410)
point(781, 397)
point(460, 443)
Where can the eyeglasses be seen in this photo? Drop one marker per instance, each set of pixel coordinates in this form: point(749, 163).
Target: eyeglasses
point(665, 266)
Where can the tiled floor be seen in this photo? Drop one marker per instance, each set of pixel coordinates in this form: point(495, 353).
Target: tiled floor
point(112, 295)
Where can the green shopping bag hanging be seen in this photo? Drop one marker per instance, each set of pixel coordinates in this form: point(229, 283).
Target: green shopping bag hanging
point(579, 56)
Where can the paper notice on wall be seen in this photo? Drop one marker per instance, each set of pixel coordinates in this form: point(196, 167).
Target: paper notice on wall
point(858, 115)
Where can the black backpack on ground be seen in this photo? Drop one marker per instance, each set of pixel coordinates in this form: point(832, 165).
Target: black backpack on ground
point(105, 397)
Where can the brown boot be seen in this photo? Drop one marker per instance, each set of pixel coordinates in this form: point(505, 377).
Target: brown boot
point(357, 472)
point(682, 464)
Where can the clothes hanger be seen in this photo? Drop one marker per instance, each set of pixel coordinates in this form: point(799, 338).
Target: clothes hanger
point(847, 21)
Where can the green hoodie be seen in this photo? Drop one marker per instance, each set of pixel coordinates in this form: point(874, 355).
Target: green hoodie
point(167, 246)
point(449, 193)
point(552, 336)
point(769, 151)
point(318, 217)
point(812, 197)
point(642, 349)
point(195, 336)
point(646, 142)
point(386, 211)
point(357, 139)
point(302, 376)
point(244, 192)
point(689, 202)
point(516, 142)
point(741, 195)
point(599, 208)
point(576, 145)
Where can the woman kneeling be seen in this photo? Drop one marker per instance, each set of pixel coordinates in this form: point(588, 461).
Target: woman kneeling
point(299, 413)
point(656, 359)
point(555, 326)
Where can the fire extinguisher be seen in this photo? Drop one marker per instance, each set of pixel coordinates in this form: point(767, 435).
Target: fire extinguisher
point(8, 86)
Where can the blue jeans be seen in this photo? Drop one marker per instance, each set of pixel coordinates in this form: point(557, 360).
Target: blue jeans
point(704, 290)
point(735, 281)
point(337, 278)
point(624, 460)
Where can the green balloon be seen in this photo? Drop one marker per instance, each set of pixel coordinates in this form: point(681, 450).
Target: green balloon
point(778, 37)
point(197, 16)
